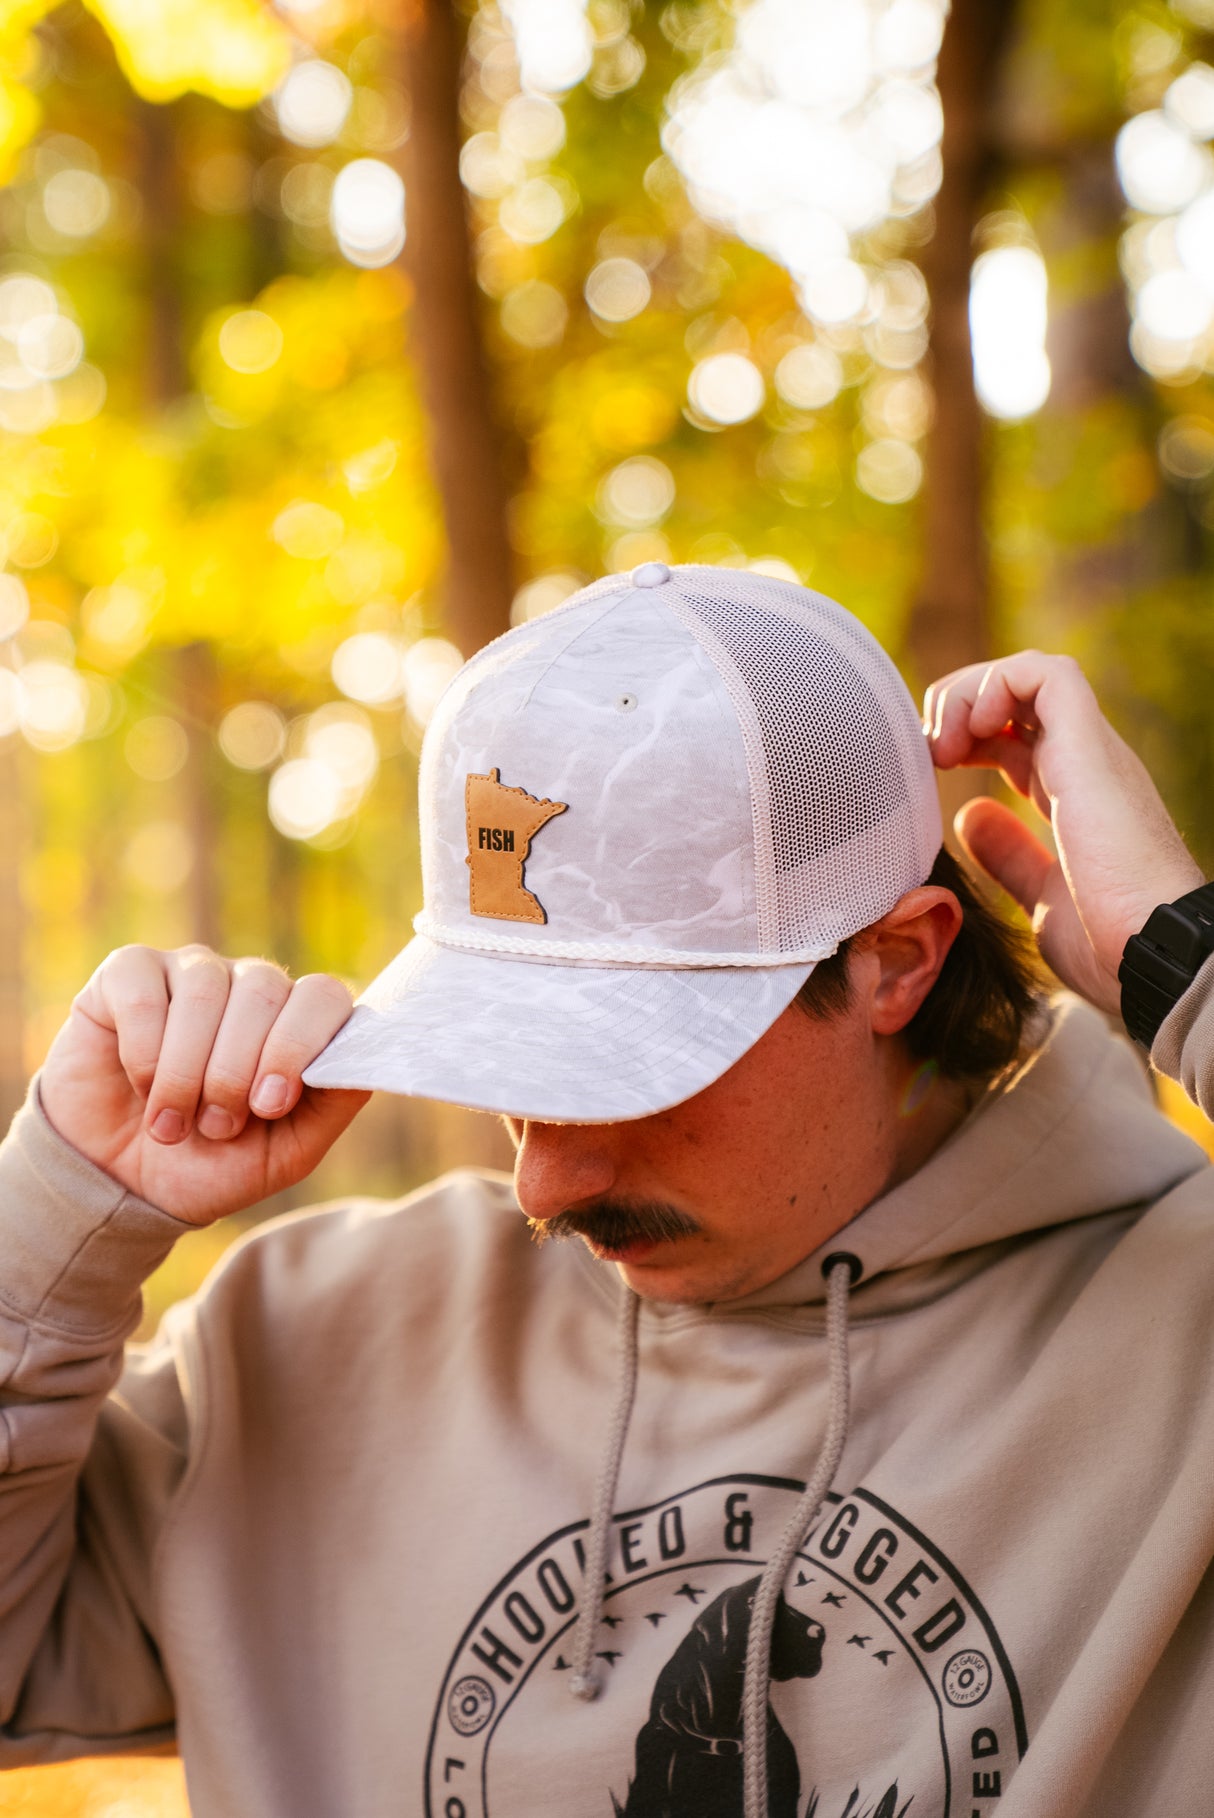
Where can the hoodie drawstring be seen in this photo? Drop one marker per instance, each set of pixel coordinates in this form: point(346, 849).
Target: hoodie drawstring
point(584, 1680)
point(840, 1270)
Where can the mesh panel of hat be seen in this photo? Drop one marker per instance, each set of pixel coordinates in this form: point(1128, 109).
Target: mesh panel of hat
point(827, 706)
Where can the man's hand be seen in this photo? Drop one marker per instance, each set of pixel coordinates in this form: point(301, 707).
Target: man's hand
point(1035, 718)
point(179, 1074)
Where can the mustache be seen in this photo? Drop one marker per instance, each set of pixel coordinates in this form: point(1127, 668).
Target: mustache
point(612, 1223)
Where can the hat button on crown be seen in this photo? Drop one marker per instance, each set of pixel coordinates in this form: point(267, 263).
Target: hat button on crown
point(650, 574)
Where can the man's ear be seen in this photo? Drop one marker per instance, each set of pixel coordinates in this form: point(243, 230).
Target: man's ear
point(905, 951)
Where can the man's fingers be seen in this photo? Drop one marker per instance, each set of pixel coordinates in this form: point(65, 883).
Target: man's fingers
point(998, 840)
point(1030, 690)
point(975, 704)
point(198, 982)
point(129, 995)
point(207, 1041)
point(316, 1009)
point(1010, 752)
point(259, 990)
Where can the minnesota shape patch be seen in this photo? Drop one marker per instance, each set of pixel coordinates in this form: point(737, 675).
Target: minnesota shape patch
point(502, 823)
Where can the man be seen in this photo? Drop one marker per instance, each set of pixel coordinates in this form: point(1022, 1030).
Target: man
point(397, 1482)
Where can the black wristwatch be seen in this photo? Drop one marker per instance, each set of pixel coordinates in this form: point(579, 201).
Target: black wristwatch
point(1161, 962)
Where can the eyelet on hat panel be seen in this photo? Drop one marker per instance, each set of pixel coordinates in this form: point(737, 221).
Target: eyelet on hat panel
point(655, 848)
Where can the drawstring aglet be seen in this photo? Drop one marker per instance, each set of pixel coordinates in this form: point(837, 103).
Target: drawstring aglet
point(585, 1686)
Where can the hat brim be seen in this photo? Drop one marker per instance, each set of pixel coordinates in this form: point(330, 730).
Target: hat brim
point(558, 1043)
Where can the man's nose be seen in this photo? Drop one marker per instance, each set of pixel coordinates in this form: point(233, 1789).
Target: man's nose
point(561, 1165)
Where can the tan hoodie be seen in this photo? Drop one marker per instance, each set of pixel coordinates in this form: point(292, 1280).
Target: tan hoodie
point(328, 1529)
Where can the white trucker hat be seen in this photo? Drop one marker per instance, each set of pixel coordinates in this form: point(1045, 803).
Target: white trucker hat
point(644, 819)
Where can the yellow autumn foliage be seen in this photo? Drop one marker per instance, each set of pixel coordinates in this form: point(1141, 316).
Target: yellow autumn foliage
point(234, 50)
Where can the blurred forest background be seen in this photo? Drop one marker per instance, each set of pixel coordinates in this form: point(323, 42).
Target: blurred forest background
point(336, 335)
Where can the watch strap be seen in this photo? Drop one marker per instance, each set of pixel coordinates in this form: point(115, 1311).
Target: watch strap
point(1161, 962)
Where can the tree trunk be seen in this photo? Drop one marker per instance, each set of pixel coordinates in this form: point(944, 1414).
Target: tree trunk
point(196, 691)
point(950, 615)
point(195, 682)
point(465, 443)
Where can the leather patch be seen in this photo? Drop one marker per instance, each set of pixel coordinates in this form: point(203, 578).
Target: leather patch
point(502, 823)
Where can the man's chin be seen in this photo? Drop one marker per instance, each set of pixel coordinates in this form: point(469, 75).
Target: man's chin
point(665, 1277)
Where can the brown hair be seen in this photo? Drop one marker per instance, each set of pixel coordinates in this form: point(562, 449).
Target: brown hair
point(972, 1022)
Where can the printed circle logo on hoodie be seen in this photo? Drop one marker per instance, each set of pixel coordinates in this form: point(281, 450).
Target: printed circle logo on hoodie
point(890, 1690)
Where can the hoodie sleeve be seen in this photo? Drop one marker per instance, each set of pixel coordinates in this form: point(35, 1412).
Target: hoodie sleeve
point(88, 1465)
point(1184, 1044)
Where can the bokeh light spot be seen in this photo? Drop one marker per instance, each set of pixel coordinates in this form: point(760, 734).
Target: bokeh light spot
point(776, 567)
point(428, 667)
point(53, 705)
point(489, 168)
point(532, 213)
point(1195, 240)
point(541, 595)
point(367, 667)
point(618, 289)
point(1190, 100)
point(252, 735)
point(117, 618)
point(50, 346)
point(890, 471)
point(22, 298)
point(367, 212)
point(836, 292)
point(156, 747)
point(1008, 317)
point(250, 341)
point(307, 530)
point(533, 126)
point(907, 35)
point(76, 203)
point(900, 407)
point(307, 194)
point(637, 493)
point(625, 553)
point(534, 314)
point(312, 102)
point(30, 539)
point(1160, 167)
point(553, 42)
point(1174, 306)
point(341, 738)
point(305, 797)
point(371, 467)
point(809, 377)
point(1186, 450)
point(726, 388)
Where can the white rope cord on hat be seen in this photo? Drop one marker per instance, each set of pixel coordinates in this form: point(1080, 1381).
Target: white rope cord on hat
point(604, 953)
point(584, 1680)
point(838, 1270)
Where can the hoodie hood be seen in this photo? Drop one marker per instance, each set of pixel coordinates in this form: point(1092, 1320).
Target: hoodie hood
point(1072, 1134)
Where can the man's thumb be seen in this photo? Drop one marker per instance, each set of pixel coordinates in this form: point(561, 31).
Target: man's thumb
point(322, 1114)
point(998, 840)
